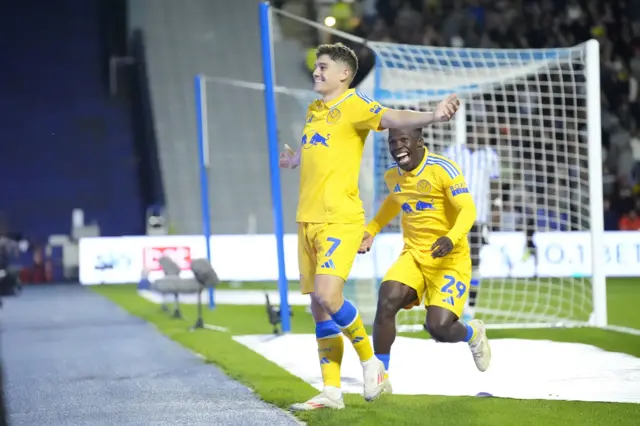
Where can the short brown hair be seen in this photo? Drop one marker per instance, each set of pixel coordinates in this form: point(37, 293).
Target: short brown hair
point(340, 52)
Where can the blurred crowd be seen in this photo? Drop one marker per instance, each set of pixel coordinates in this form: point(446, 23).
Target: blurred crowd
point(526, 24)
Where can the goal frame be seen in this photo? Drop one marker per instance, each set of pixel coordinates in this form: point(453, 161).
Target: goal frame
point(598, 317)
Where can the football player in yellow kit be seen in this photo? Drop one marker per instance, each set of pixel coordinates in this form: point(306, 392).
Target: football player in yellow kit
point(330, 215)
point(435, 263)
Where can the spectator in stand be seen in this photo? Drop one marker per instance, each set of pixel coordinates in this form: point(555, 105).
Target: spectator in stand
point(611, 218)
point(368, 12)
point(525, 24)
point(635, 150)
point(630, 221)
point(619, 155)
point(8, 250)
point(343, 12)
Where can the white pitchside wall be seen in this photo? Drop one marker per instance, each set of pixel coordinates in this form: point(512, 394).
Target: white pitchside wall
point(119, 260)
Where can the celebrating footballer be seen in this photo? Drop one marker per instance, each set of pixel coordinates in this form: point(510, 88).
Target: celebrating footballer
point(330, 215)
point(435, 264)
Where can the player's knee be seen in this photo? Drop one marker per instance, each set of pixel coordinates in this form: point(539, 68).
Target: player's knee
point(387, 309)
point(391, 299)
point(328, 292)
point(317, 311)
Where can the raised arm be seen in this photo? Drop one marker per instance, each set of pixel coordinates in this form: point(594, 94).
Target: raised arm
point(403, 119)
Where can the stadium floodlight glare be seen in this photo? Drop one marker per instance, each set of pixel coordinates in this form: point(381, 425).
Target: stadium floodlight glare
point(541, 111)
point(329, 21)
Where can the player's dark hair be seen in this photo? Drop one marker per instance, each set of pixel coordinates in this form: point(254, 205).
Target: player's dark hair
point(340, 52)
point(413, 133)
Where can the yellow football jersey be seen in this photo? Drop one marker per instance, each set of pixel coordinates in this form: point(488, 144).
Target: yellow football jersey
point(431, 199)
point(332, 144)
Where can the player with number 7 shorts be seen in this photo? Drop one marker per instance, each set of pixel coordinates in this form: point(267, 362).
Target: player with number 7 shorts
point(435, 263)
point(330, 216)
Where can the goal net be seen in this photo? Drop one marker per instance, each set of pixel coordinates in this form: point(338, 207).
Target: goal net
point(539, 110)
point(532, 109)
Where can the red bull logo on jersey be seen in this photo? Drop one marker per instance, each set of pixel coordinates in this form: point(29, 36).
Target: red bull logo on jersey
point(313, 138)
point(413, 206)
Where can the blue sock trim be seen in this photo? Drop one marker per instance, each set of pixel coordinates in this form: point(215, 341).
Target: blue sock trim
point(475, 283)
point(345, 315)
point(385, 360)
point(469, 334)
point(326, 328)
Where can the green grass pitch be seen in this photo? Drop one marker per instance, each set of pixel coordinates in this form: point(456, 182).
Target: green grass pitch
point(277, 386)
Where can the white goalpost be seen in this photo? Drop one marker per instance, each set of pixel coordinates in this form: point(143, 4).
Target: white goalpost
point(538, 109)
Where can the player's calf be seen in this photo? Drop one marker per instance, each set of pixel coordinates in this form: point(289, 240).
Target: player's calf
point(330, 346)
point(444, 326)
point(328, 294)
point(347, 318)
point(392, 297)
point(330, 351)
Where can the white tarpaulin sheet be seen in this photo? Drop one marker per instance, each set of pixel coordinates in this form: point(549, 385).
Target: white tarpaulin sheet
point(523, 369)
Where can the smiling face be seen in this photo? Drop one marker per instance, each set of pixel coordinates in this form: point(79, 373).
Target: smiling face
point(329, 75)
point(406, 147)
point(336, 65)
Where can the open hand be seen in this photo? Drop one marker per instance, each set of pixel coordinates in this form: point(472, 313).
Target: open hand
point(289, 159)
point(367, 242)
point(441, 247)
point(447, 108)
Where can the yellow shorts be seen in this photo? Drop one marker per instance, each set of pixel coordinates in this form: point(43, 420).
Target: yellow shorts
point(327, 248)
point(442, 282)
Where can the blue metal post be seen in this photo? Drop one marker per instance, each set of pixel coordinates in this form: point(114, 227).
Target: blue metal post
point(378, 148)
point(272, 138)
point(199, 88)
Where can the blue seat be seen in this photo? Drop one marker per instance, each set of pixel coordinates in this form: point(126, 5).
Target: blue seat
point(67, 144)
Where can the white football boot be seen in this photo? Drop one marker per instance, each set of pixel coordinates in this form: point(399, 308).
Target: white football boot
point(374, 381)
point(479, 346)
point(331, 397)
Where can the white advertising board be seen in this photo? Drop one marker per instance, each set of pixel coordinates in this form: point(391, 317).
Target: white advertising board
point(116, 260)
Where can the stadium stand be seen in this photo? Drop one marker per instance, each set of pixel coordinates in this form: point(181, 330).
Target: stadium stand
point(173, 59)
point(71, 144)
point(525, 24)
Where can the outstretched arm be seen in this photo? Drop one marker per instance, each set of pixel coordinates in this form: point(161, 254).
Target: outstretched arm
point(404, 119)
